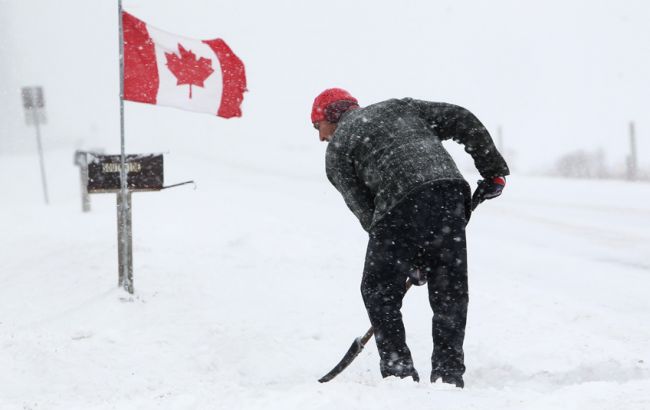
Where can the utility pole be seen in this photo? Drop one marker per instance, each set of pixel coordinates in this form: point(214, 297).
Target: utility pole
point(632, 159)
point(500, 139)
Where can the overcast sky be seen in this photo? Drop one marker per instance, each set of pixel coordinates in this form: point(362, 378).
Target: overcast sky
point(556, 75)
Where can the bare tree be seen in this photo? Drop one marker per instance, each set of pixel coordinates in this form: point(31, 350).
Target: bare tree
point(582, 164)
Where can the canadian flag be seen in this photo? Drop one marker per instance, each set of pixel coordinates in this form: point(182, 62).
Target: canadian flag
point(167, 69)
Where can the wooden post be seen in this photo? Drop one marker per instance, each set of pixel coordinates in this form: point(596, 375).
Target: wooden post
point(81, 160)
point(85, 198)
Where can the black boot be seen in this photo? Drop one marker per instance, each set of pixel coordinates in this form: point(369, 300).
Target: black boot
point(399, 368)
point(456, 380)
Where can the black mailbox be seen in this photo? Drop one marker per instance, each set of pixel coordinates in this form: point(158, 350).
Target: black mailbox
point(144, 173)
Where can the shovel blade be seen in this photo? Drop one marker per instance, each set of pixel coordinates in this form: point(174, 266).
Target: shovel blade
point(352, 353)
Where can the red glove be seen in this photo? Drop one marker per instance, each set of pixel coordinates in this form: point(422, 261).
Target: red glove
point(488, 189)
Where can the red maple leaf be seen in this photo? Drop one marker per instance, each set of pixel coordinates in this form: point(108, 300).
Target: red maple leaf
point(187, 69)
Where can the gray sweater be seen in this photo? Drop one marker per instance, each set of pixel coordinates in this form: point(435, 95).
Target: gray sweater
point(380, 153)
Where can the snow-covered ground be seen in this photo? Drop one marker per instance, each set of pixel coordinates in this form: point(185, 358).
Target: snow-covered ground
point(247, 291)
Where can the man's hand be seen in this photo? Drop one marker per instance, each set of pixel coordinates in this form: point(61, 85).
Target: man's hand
point(488, 189)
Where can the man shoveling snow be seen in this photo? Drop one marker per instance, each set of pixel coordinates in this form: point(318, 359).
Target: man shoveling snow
point(388, 162)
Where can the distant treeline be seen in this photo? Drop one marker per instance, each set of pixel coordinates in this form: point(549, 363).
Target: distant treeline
point(592, 164)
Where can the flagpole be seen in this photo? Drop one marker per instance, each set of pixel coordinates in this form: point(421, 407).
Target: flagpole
point(124, 203)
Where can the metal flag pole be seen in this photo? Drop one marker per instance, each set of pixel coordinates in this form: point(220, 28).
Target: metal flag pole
point(123, 197)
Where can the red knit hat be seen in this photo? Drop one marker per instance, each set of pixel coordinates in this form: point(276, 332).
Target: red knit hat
point(326, 98)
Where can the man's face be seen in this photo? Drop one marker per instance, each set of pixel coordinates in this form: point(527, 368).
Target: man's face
point(325, 130)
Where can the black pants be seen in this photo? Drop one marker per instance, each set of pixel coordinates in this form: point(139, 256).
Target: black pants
point(424, 235)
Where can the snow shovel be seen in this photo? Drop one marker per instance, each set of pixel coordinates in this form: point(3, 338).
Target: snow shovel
point(354, 350)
